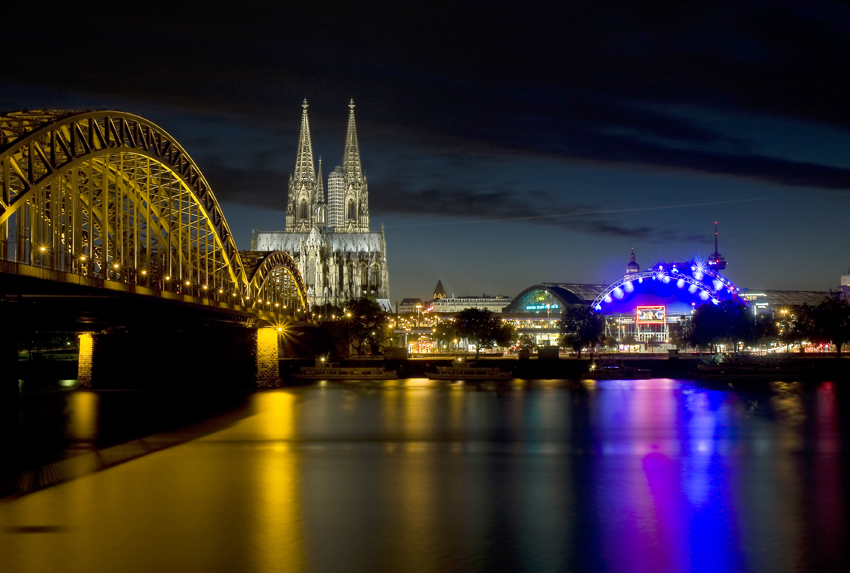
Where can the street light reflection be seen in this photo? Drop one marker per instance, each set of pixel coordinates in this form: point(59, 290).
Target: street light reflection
point(278, 538)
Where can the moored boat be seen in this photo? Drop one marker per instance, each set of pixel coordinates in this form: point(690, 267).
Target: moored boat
point(329, 371)
point(617, 372)
point(459, 370)
point(752, 370)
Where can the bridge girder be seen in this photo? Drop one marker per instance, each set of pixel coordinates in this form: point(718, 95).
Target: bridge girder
point(112, 196)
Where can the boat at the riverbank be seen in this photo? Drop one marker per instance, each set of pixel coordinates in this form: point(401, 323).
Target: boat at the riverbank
point(612, 371)
point(329, 371)
point(751, 370)
point(460, 370)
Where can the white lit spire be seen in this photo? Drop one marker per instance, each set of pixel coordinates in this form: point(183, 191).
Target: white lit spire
point(304, 171)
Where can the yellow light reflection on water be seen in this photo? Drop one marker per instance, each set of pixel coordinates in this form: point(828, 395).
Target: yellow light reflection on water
point(82, 418)
point(413, 413)
point(279, 537)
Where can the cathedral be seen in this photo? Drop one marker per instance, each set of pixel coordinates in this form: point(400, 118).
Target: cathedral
point(339, 257)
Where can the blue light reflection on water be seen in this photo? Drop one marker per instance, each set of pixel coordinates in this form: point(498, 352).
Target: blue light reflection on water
point(417, 475)
point(666, 495)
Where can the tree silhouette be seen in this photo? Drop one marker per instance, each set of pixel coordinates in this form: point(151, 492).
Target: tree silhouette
point(367, 325)
point(483, 329)
point(726, 323)
point(581, 327)
point(831, 321)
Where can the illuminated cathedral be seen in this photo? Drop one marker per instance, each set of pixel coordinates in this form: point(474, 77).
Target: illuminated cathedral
point(338, 255)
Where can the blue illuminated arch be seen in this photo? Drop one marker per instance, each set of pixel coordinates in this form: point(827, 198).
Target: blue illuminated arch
point(672, 285)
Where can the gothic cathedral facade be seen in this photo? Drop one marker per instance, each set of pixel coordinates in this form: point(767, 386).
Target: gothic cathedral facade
point(339, 257)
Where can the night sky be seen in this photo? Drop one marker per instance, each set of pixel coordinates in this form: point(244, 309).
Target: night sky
point(505, 143)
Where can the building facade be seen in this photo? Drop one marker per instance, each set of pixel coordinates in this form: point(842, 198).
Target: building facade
point(453, 305)
point(338, 255)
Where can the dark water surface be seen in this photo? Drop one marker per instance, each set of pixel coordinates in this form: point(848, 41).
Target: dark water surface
point(418, 475)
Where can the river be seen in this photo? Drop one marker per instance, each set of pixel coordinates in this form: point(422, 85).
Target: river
point(418, 475)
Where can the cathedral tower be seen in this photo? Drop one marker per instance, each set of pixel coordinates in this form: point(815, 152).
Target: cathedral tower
point(356, 193)
point(303, 204)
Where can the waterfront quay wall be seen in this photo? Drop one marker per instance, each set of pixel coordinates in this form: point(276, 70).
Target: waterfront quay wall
point(821, 367)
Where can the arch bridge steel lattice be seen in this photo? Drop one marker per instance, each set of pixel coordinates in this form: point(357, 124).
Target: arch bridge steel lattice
point(109, 199)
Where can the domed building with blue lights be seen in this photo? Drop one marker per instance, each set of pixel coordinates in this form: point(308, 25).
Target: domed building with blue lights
point(640, 306)
point(643, 304)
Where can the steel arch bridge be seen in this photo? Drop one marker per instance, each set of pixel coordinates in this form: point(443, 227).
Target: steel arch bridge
point(109, 199)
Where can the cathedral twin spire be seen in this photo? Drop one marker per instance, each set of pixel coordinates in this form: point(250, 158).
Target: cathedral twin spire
point(304, 160)
point(351, 155)
point(306, 202)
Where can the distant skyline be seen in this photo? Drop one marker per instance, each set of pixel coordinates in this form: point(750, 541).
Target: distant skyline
point(504, 146)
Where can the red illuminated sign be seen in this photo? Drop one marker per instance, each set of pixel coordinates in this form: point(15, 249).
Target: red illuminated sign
point(649, 315)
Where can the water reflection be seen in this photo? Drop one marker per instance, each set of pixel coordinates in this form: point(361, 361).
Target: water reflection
point(417, 475)
point(277, 523)
point(83, 410)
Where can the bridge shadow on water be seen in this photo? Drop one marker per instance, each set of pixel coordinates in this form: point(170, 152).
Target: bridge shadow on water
point(50, 435)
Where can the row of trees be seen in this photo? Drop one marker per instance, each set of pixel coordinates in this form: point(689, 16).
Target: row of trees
point(364, 327)
point(729, 323)
point(480, 328)
point(732, 324)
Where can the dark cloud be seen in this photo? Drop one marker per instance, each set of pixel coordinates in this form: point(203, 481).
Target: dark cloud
point(264, 189)
point(597, 81)
point(535, 206)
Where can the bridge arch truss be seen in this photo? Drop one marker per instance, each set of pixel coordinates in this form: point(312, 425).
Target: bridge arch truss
point(110, 196)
